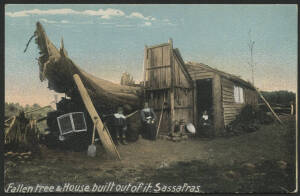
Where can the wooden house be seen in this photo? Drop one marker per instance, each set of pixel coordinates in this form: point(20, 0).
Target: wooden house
point(188, 89)
point(221, 93)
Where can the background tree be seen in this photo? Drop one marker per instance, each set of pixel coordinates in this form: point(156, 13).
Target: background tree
point(279, 97)
point(251, 62)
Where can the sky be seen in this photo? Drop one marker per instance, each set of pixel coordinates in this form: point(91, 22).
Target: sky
point(106, 40)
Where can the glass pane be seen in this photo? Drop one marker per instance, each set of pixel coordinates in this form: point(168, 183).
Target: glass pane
point(65, 124)
point(236, 94)
point(78, 120)
point(241, 95)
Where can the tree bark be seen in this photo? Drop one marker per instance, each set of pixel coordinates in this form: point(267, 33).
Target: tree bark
point(58, 69)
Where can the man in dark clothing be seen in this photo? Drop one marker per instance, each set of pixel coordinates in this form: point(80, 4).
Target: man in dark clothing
point(148, 118)
point(120, 126)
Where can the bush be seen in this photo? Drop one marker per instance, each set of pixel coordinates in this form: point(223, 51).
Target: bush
point(249, 120)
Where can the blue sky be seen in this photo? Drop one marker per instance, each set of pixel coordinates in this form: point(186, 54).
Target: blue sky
point(108, 39)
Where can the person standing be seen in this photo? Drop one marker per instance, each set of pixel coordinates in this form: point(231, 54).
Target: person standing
point(148, 118)
point(120, 125)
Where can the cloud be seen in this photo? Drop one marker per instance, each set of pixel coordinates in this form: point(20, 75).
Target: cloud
point(106, 23)
point(53, 21)
point(102, 13)
point(47, 21)
point(105, 14)
point(140, 16)
point(24, 13)
point(172, 24)
point(64, 21)
point(147, 24)
point(124, 25)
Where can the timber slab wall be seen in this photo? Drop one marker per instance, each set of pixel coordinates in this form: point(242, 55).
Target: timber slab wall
point(167, 79)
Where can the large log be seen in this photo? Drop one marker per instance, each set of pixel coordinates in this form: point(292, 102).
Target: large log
point(104, 134)
point(58, 69)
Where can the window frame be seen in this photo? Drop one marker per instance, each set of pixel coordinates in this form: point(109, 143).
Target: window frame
point(70, 115)
point(238, 94)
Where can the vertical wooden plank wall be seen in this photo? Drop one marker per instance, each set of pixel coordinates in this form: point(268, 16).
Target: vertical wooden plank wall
point(158, 69)
point(158, 81)
point(183, 94)
point(172, 106)
point(164, 75)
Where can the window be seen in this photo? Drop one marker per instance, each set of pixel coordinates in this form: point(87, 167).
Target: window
point(71, 122)
point(238, 94)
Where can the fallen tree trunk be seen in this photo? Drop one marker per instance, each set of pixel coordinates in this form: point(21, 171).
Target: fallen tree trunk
point(58, 69)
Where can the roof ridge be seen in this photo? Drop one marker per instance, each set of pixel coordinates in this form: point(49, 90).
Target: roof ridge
point(236, 77)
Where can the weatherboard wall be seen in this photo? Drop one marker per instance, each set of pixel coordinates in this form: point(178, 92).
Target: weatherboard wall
point(198, 72)
point(230, 107)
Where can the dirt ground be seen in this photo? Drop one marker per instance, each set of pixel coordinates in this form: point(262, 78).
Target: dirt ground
point(262, 161)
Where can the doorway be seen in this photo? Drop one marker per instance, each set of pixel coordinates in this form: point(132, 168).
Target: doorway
point(204, 95)
point(204, 103)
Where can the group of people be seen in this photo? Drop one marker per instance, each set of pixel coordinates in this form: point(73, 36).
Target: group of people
point(148, 120)
point(119, 124)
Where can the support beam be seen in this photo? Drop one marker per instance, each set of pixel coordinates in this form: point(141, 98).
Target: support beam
point(145, 68)
point(217, 105)
point(172, 104)
point(195, 105)
point(104, 134)
point(270, 108)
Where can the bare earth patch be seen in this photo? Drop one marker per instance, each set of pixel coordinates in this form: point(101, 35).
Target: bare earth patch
point(262, 161)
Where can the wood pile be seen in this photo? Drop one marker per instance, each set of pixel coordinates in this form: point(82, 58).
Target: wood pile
point(21, 134)
point(18, 156)
point(174, 137)
point(177, 135)
point(180, 133)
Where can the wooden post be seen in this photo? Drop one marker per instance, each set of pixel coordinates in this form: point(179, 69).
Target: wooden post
point(13, 119)
point(145, 68)
point(262, 97)
point(102, 130)
point(195, 105)
point(172, 104)
point(217, 104)
point(161, 115)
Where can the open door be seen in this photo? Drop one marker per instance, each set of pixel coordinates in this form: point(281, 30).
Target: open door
point(204, 104)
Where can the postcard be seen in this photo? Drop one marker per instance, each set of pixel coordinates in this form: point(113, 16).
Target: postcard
point(150, 98)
